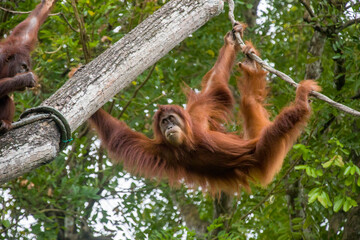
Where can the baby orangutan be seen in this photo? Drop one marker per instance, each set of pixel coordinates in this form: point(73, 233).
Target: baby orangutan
point(192, 144)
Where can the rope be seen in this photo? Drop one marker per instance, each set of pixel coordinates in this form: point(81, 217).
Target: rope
point(282, 75)
point(45, 112)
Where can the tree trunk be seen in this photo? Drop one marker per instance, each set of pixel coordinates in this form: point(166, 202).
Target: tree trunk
point(190, 214)
point(250, 14)
point(36, 144)
point(352, 227)
point(316, 48)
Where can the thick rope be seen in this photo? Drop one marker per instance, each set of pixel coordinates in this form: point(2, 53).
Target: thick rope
point(282, 75)
point(45, 112)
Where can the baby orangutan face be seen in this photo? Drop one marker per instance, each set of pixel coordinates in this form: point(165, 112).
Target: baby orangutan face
point(171, 126)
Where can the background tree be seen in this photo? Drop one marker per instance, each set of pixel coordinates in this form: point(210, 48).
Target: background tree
point(81, 195)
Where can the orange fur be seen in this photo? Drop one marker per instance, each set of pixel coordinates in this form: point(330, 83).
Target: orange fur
point(209, 156)
point(15, 64)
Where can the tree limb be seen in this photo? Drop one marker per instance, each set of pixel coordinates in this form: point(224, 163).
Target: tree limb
point(83, 35)
point(137, 90)
point(51, 14)
point(349, 23)
point(308, 8)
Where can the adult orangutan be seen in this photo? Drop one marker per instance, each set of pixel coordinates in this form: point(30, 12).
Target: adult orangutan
point(15, 74)
point(192, 145)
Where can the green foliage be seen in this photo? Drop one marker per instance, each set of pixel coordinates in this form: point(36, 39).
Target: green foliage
point(82, 189)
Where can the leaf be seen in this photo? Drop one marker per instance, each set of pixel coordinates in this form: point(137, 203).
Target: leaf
point(338, 203)
point(334, 46)
point(328, 163)
point(313, 195)
point(312, 60)
point(297, 220)
point(348, 181)
point(347, 170)
point(324, 199)
point(357, 170)
point(338, 143)
point(311, 172)
point(314, 190)
point(91, 13)
point(283, 237)
point(319, 172)
point(339, 161)
point(328, 201)
point(299, 146)
point(300, 167)
point(308, 171)
point(297, 227)
point(347, 205)
point(352, 170)
point(353, 202)
point(346, 152)
point(211, 53)
point(160, 72)
point(6, 223)
point(293, 9)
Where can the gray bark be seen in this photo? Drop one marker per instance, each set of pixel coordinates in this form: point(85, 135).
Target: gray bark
point(190, 214)
point(316, 48)
point(352, 227)
point(26, 148)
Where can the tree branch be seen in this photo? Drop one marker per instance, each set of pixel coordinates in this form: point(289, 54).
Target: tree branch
point(83, 35)
point(348, 24)
point(67, 22)
point(308, 8)
point(51, 14)
point(15, 12)
point(27, 12)
point(137, 90)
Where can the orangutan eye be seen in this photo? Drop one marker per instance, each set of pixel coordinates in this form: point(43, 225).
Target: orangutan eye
point(164, 121)
point(9, 58)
